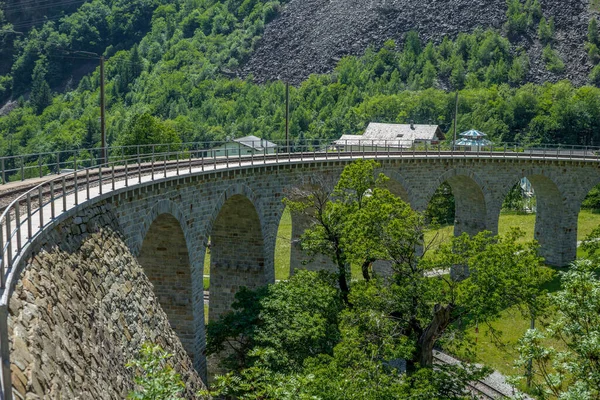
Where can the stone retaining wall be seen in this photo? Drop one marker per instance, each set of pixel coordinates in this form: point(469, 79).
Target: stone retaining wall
point(81, 310)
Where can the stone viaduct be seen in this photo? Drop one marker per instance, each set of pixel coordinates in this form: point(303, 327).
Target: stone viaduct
point(168, 222)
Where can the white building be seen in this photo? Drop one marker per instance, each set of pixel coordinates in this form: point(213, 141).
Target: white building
point(378, 135)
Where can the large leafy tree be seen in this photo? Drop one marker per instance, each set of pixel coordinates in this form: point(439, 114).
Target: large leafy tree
point(570, 369)
point(294, 319)
point(361, 219)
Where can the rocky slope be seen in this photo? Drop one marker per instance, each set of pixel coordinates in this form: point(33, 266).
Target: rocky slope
point(310, 36)
point(81, 310)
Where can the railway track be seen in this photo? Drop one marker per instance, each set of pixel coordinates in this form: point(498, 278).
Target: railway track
point(480, 389)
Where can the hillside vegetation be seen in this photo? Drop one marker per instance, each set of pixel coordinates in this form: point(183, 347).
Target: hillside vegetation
point(171, 74)
point(311, 36)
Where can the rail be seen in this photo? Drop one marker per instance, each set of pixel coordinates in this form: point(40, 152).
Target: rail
point(27, 215)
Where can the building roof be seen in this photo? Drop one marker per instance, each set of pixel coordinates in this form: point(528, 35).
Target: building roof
point(473, 134)
point(255, 142)
point(393, 135)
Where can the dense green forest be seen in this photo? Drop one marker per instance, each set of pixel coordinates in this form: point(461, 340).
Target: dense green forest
point(171, 66)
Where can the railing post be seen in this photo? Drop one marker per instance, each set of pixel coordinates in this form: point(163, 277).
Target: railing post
point(4, 349)
point(8, 240)
point(22, 169)
point(18, 225)
point(41, 206)
point(3, 172)
point(64, 194)
point(239, 154)
point(87, 184)
point(29, 227)
point(52, 210)
point(112, 176)
point(190, 170)
point(126, 174)
point(40, 165)
point(139, 169)
point(177, 163)
point(165, 166)
point(100, 179)
point(76, 189)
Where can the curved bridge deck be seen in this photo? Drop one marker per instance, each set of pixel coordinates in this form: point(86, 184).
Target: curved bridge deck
point(480, 181)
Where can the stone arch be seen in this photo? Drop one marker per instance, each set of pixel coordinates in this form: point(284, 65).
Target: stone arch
point(555, 229)
point(471, 211)
point(399, 186)
point(300, 259)
point(165, 257)
point(238, 256)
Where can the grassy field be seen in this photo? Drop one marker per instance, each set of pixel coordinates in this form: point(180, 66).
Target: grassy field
point(512, 324)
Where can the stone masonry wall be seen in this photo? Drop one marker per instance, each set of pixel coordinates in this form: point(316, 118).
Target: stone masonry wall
point(81, 310)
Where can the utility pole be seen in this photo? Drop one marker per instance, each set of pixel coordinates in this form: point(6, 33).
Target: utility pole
point(102, 113)
point(287, 116)
point(103, 155)
point(455, 120)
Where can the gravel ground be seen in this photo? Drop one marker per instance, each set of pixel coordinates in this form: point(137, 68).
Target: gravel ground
point(310, 36)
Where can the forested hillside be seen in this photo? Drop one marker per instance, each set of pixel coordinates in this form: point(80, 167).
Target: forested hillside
point(171, 74)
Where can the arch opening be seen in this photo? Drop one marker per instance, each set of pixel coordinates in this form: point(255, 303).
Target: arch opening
point(588, 218)
point(237, 255)
point(457, 206)
point(536, 205)
point(283, 246)
point(166, 262)
point(518, 209)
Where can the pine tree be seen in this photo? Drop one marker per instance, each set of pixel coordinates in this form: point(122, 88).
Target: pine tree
point(546, 30)
point(40, 97)
point(593, 32)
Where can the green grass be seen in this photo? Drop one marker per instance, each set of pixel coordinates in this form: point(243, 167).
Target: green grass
point(526, 222)
point(283, 246)
point(511, 323)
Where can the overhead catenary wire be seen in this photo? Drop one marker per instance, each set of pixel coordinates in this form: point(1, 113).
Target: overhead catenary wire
point(37, 6)
point(37, 22)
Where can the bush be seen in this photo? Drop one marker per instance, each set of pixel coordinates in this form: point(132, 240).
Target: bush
point(553, 61)
point(156, 379)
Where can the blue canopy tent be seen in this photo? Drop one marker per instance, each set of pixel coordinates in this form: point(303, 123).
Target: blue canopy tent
point(472, 138)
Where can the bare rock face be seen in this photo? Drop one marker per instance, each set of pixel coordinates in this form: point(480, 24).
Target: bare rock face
point(310, 36)
point(81, 310)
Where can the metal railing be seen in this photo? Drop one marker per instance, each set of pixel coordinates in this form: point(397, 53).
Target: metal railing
point(30, 212)
point(21, 167)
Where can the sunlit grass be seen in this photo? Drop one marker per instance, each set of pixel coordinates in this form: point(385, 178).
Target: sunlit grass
point(283, 246)
point(512, 323)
